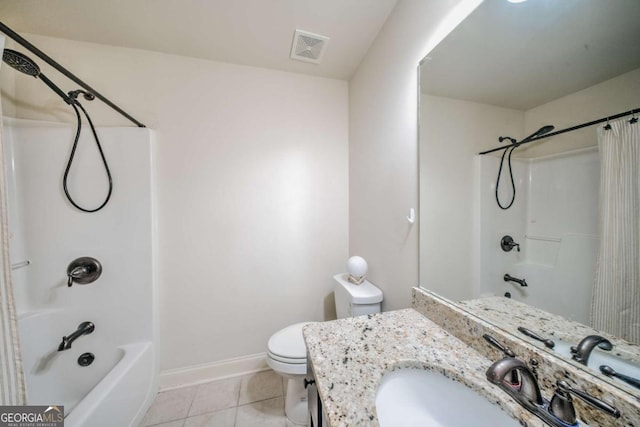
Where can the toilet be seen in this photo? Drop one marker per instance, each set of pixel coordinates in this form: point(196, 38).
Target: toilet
point(287, 353)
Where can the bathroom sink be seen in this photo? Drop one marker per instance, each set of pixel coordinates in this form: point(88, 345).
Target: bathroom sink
point(415, 397)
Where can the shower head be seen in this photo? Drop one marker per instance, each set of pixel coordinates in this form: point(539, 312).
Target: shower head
point(25, 65)
point(542, 131)
point(20, 62)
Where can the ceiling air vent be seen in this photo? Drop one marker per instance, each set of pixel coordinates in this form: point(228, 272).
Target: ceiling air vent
point(308, 47)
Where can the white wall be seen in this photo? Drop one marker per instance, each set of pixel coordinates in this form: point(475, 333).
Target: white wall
point(383, 159)
point(619, 94)
point(452, 132)
point(252, 188)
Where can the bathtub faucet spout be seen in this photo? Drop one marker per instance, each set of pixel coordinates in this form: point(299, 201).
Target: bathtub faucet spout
point(509, 278)
point(84, 328)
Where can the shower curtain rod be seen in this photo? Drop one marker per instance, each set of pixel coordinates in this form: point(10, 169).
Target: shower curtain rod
point(583, 125)
point(19, 39)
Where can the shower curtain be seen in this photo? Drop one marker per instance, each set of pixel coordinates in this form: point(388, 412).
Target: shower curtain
point(616, 294)
point(12, 385)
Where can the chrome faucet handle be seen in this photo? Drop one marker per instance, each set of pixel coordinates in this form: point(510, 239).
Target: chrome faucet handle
point(561, 405)
point(83, 270)
point(610, 372)
point(507, 243)
point(76, 273)
point(546, 341)
point(495, 343)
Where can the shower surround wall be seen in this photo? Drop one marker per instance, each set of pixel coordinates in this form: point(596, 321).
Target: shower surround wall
point(47, 231)
point(555, 220)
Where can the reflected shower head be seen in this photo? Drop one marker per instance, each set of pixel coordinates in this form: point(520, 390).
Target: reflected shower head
point(20, 62)
point(25, 65)
point(542, 131)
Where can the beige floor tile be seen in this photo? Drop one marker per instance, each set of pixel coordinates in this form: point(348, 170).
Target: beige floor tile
point(267, 413)
point(169, 406)
point(223, 418)
point(215, 396)
point(260, 386)
point(177, 423)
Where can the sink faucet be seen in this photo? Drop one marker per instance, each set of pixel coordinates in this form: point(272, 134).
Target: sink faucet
point(527, 392)
point(84, 328)
point(582, 352)
point(559, 412)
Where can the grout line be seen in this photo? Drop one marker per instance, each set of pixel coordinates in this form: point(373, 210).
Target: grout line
point(236, 407)
point(235, 417)
point(191, 404)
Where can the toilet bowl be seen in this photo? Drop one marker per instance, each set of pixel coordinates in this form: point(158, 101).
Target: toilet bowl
point(287, 353)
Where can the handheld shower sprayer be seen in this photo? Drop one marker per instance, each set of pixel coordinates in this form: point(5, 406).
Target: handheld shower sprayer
point(542, 131)
point(515, 144)
point(25, 65)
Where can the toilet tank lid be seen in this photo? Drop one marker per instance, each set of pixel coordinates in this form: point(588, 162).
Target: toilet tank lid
point(364, 293)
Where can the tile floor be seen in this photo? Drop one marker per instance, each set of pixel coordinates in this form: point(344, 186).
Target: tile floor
point(247, 401)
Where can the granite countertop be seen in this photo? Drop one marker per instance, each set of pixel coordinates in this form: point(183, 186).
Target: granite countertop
point(349, 357)
point(509, 314)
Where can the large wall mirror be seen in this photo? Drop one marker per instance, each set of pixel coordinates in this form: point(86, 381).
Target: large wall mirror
point(508, 70)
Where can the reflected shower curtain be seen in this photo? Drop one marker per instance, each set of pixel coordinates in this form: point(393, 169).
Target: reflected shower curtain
point(12, 385)
point(616, 293)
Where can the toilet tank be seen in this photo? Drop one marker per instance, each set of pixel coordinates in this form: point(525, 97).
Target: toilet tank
point(355, 300)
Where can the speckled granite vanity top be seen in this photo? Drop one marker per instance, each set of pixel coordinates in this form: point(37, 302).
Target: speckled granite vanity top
point(350, 356)
point(509, 314)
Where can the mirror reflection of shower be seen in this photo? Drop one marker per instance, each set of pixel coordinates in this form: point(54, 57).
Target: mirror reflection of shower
point(515, 144)
point(25, 65)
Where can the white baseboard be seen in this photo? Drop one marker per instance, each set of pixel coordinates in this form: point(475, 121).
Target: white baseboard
point(198, 374)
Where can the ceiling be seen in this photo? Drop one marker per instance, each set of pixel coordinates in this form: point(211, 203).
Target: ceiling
point(250, 32)
point(524, 55)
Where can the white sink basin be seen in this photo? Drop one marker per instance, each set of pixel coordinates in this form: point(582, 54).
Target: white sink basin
point(415, 397)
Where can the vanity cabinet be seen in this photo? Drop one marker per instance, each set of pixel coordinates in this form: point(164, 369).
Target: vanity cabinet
point(316, 416)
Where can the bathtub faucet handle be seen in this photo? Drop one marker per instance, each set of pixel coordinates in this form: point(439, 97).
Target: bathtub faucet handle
point(507, 243)
point(76, 273)
point(83, 270)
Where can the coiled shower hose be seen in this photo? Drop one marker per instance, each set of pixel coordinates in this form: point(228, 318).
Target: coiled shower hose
point(75, 106)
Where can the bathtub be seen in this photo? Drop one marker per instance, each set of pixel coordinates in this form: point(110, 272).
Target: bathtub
point(113, 391)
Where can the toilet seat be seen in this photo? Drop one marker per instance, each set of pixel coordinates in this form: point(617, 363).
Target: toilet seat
point(287, 352)
point(291, 360)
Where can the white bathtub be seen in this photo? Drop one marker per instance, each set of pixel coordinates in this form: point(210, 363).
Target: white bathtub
point(114, 391)
point(123, 396)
